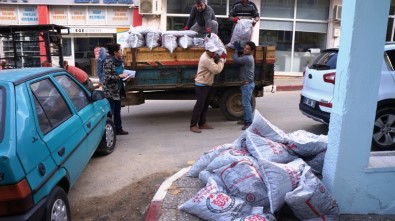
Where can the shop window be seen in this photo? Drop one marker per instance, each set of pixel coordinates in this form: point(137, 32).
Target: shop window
point(312, 9)
point(184, 7)
point(277, 8)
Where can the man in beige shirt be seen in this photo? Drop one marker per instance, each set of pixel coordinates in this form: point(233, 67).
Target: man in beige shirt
point(204, 79)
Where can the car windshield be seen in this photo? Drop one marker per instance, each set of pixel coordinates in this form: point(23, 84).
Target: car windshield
point(325, 61)
point(2, 113)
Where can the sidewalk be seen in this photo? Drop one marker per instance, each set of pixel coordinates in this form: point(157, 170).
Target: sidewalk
point(179, 188)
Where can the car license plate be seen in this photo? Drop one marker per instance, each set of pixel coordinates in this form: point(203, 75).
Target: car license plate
point(309, 102)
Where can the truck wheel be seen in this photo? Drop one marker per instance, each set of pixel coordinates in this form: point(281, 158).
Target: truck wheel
point(107, 143)
point(231, 104)
point(58, 207)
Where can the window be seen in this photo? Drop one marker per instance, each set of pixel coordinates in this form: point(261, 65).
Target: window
point(312, 9)
point(49, 104)
point(277, 8)
point(389, 57)
point(75, 92)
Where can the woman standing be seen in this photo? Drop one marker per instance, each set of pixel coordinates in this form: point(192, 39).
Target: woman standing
point(112, 83)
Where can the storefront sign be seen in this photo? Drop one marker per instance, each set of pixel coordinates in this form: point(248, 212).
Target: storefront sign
point(70, 2)
point(93, 30)
point(59, 15)
point(29, 15)
point(8, 15)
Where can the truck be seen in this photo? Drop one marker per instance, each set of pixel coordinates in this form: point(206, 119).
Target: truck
point(164, 75)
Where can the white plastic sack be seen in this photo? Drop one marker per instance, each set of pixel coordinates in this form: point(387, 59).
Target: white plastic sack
point(264, 128)
point(242, 32)
point(185, 41)
point(135, 40)
point(263, 148)
point(152, 39)
point(311, 199)
point(243, 179)
point(240, 142)
point(198, 42)
point(206, 158)
point(304, 143)
point(217, 42)
point(281, 179)
point(204, 175)
point(169, 42)
point(180, 33)
point(257, 217)
point(316, 162)
point(143, 30)
point(214, 204)
point(227, 157)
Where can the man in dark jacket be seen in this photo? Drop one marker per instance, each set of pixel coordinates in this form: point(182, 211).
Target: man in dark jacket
point(206, 22)
point(244, 9)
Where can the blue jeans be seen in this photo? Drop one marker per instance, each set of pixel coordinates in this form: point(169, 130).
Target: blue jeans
point(246, 93)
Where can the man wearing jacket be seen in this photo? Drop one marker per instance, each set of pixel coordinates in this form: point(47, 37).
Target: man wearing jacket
point(204, 79)
point(244, 9)
point(206, 22)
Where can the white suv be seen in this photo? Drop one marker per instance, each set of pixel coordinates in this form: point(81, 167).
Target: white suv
point(317, 95)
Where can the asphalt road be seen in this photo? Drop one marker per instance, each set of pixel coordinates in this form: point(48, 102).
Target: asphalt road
point(159, 140)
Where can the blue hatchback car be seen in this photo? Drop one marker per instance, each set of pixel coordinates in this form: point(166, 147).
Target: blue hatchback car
point(50, 126)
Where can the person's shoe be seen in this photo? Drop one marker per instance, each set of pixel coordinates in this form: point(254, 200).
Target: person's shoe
point(240, 122)
point(195, 129)
point(122, 132)
point(245, 126)
point(206, 126)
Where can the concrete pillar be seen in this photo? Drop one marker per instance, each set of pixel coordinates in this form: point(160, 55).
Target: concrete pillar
point(357, 189)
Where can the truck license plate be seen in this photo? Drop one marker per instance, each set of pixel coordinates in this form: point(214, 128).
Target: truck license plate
point(309, 102)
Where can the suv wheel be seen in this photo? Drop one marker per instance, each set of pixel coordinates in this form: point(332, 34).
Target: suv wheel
point(58, 207)
point(384, 129)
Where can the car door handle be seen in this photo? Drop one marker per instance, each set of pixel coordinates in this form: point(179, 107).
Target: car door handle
point(61, 151)
point(88, 124)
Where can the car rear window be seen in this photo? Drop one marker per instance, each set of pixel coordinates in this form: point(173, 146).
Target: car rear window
point(2, 113)
point(325, 61)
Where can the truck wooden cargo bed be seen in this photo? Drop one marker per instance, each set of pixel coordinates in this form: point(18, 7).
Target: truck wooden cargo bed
point(168, 76)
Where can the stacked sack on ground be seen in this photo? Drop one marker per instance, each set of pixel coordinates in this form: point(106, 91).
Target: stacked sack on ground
point(261, 171)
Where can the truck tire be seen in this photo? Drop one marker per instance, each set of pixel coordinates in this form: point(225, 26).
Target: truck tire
point(231, 106)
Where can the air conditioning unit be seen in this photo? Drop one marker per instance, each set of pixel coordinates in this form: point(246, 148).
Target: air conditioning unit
point(337, 12)
point(150, 7)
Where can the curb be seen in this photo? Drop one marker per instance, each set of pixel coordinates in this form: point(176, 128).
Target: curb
point(155, 206)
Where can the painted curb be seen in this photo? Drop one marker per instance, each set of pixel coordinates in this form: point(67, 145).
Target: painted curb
point(155, 206)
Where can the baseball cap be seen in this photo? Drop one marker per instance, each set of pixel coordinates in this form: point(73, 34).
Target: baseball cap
point(209, 46)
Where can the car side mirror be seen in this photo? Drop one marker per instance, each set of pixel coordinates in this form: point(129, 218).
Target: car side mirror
point(97, 95)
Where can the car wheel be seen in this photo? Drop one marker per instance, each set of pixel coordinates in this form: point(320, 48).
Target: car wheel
point(384, 130)
point(58, 207)
point(107, 143)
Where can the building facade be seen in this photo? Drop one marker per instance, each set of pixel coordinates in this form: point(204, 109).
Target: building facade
point(299, 29)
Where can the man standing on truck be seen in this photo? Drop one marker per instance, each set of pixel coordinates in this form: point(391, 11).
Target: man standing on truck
point(246, 75)
point(204, 79)
point(112, 83)
point(244, 9)
point(206, 22)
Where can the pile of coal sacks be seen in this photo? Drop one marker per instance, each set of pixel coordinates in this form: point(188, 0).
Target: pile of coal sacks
point(259, 173)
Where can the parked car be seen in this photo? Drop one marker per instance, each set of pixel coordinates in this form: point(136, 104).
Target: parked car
point(317, 95)
point(50, 126)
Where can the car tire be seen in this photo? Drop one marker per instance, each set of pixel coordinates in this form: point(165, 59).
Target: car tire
point(58, 207)
point(107, 143)
point(384, 129)
point(231, 106)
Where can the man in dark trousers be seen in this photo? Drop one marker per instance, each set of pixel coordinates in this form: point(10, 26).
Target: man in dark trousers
point(244, 9)
point(206, 22)
point(246, 75)
point(204, 80)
